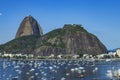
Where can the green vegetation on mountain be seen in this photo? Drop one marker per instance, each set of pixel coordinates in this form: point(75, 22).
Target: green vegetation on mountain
point(72, 29)
point(51, 37)
point(57, 32)
point(25, 44)
point(58, 35)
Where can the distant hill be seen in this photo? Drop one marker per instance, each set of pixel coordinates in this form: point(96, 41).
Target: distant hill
point(69, 40)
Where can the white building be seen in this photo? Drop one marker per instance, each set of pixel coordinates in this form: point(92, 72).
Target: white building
point(87, 56)
point(8, 55)
point(118, 52)
point(60, 56)
point(52, 56)
point(112, 53)
point(75, 56)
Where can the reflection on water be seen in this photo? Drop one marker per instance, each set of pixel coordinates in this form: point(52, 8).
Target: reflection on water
point(59, 70)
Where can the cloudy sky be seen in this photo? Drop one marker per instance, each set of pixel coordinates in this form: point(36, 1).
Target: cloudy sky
point(100, 17)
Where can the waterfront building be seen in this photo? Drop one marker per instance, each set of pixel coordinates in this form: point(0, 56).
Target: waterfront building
point(118, 52)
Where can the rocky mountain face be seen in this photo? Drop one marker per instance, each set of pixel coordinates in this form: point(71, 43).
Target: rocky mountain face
point(29, 26)
point(69, 40)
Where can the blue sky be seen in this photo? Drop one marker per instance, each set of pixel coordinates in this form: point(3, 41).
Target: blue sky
point(100, 17)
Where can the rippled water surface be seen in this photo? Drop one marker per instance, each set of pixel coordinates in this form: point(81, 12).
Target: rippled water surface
point(59, 70)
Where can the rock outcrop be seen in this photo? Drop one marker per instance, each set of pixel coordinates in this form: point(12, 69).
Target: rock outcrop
point(29, 26)
point(69, 40)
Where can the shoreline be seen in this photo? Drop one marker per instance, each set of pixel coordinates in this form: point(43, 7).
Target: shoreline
point(112, 59)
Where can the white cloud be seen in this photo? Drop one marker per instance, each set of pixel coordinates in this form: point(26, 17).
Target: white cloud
point(0, 14)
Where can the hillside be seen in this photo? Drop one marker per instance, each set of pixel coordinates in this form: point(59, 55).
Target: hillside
point(71, 39)
point(24, 45)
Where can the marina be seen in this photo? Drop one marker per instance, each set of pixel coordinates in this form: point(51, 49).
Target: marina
point(59, 69)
